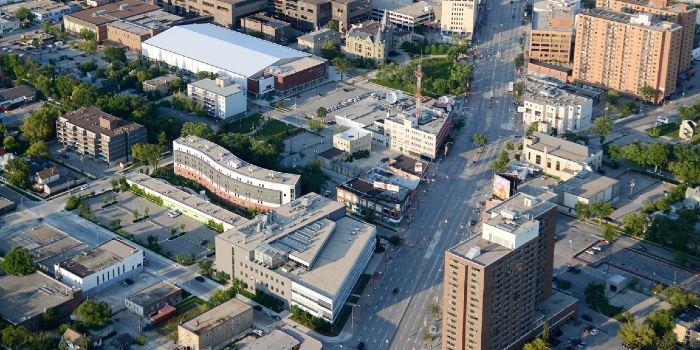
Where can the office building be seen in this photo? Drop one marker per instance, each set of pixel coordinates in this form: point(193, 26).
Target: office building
point(101, 267)
point(559, 108)
point(369, 40)
point(626, 52)
point(221, 98)
point(418, 137)
point(24, 299)
point(458, 17)
point(353, 140)
point(586, 187)
point(313, 41)
point(230, 178)
point(498, 289)
point(388, 202)
point(307, 253)
point(558, 157)
point(217, 326)
point(98, 135)
point(226, 13)
point(148, 301)
point(260, 66)
point(684, 14)
point(349, 12)
point(268, 28)
point(401, 15)
point(311, 15)
point(551, 37)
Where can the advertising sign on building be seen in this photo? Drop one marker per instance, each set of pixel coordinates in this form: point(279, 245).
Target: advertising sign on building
point(501, 187)
point(419, 167)
point(392, 188)
point(379, 184)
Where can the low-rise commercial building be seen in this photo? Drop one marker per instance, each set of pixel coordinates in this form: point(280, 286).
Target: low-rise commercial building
point(216, 327)
point(308, 253)
point(9, 25)
point(270, 29)
point(687, 328)
point(313, 41)
point(407, 166)
point(418, 136)
point(558, 157)
point(353, 140)
point(369, 40)
point(402, 15)
point(98, 135)
point(7, 206)
point(45, 10)
point(101, 267)
point(586, 187)
point(14, 97)
point(563, 110)
point(189, 205)
point(161, 84)
point(230, 178)
point(384, 200)
point(221, 98)
point(151, 299)
point(277, 340)
point(24, 299)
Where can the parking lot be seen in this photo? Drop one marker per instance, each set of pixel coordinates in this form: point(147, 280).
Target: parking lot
point(158, 224)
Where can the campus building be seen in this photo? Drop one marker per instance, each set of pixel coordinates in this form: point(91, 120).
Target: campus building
point(270, 29)
point(353, 140)
point(626, 52)
point(226, 13)
point(221, 98)
point(458, 17)
point(217, 326)
point(313, 41)
point(101, 267)
point(230, 178)
point(558, 157)
point(369, 40)
point(560, 109)
point(162, 84)
point(586, 187)
point(419, 137)
point(98, 135)
point(401, 15)
point(308, 253)
point(498, 282)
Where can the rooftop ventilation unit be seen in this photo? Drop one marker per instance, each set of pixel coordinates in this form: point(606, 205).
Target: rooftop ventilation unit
point(509, 214)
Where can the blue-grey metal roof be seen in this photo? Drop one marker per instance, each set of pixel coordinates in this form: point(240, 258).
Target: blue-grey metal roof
point(223, 48)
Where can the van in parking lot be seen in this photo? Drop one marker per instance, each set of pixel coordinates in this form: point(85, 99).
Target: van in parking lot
point(174, 213)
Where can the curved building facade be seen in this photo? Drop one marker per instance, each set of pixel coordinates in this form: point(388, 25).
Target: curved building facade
point(230, 178)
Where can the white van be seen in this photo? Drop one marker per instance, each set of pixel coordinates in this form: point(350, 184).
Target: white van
point(661, 120)
point(174, 213)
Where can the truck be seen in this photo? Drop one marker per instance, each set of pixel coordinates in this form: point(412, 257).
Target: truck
point(511, 85)
point(165, 313)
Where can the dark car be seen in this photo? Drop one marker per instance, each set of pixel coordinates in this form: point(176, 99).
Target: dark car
point(276, 318)
point(589, 319)
point(146, 328)
point(558, 333)
point(199, 279)
point(601, 171)
point(360, 346)
point(513, 16)
point(588, 329)
point(395, 291)
point(575, 342)
point(203, 242)
point(642, 248)
point(384, 160)
point(257, 307)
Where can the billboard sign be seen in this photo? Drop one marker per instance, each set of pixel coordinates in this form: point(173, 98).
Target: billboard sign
point(419, 167)
point(392, 188)
point(501, 187)
point(379, 184)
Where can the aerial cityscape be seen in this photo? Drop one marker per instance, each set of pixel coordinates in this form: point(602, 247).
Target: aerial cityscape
point(349, 174)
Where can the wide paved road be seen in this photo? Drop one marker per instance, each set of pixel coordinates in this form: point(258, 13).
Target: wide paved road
point(397, 321)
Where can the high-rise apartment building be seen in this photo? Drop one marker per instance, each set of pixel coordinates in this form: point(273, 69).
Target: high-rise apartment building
point(683, 14)
point(498, 289)
point(625, 52)
point(458, 17)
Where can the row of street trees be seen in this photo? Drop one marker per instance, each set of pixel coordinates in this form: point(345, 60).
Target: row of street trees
point(682, 160)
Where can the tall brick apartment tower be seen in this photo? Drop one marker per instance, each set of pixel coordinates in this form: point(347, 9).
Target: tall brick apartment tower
point(498, 289)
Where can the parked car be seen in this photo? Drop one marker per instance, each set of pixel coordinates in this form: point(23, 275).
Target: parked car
point(257, 307)
point(361, 346)
point(588, 329)
point(199, 279)
point(395, 291)
point(642, 248)
point(558, 333)
point(146, 328)
point(595, 331)
point(203, 242)
point(587, 318)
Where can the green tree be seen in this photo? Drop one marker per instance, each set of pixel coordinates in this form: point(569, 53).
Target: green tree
point(18, 262)
point(595, 294)
point(316, 125)
point(434, 310)
point(500, 165)
point(72, 203)
point(532, 128)
point(609, 232)
point(648, 93)
point(38, 149)
point(147, 152)
point(510, 146)
point(603, 127)
point(221, 296)
point(612, 97)
point(537, 344)
point(321, 112)
point(87, 34)
point(657, 154)
point(480, 140)
point(49, 319)
point(635, 223)
point(88, 46)
point(519, 61)
point(458, 124)
point(15, 337)
point(427, 336)
point(113, 54)
point(639, 335)
point(661, 321)
point(10, 144)
point(24, 15)
point(17, 173)
point(205, 267)
point(563, 284)
point(583, 210)
point(333, 25)
point(615, 152)
point(41, 124)
point(667, 341)
point(343, 65)
point(394, 240)
point(94, 314)
point(197, 129)
point(329, 50)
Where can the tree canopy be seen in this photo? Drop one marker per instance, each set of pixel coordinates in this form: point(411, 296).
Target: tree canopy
point(18, 262)
point(41, 124)
point(114, 54)
point(17, 172)
point(197, 129)
point(94, 314)
point(603, 127)
point(500, 165)
point(147, 152)
point(38, 149)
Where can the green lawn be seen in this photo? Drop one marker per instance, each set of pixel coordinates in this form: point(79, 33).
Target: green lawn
point(274, 128)
point(611, 311)
point(437, 68)
point(244, 125)
point(669, 130)
point(188, 304)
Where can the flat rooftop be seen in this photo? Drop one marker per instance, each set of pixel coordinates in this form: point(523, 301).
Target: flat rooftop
point(526, 205)
point(352, 134)
point(235, 164)
point(32, 239)
point(323, 32)
point(562, 148)
point(210, 85)
point(4, 202)
point(541, 20)
point(142, 24)
point(388, 176)
point(168, 78)
point(27, 296)
point(430, 121)
point(587, 187)
point(488, 252)
point(152, 294)
point(543, 93)
point(272, 22)
point(408, 165)
point(291, 67)
point(275, 340)
point(512, 226)
point(89, 118)
point(621, 17)
point(229, 218)
point(98, 258)
point(113, 11)
point(216, 316)
point(414, 10)
point(367, 188)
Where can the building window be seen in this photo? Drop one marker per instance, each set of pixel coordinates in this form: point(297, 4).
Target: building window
point(538, 159)
point(558, 165)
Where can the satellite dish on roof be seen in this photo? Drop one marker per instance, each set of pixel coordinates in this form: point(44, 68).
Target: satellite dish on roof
point(444, 99)
point(391, 97)
point(399, 94)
